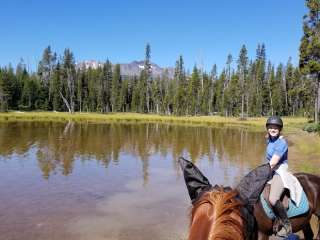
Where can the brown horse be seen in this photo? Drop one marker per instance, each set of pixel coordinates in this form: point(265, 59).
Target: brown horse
point(311, 186)
point(223, 213)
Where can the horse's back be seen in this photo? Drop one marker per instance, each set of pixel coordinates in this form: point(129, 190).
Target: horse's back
point(311, 185)
point(307, 176)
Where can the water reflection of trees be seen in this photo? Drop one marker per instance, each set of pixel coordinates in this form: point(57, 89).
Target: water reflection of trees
point(58, 145)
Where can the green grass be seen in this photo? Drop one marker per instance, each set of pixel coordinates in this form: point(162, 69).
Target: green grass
point(309, 144)
point(307, 168)
point(291, 124)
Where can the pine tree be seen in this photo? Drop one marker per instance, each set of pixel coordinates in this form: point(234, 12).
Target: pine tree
point(270, 83)
point(142, 89)
point(226, 83)
point(261, 86)
point(232, 96)
point(46, 64)
point(243, 71)
point(3, 94)
point(115, 88)
point(289, 89)
point(205, 95)
point(156, 94)
point(85, 92)
point(135, 95)
point(30, 94)
point(56, 86)
point(294, 91)
point(123, 96)
point(253, 90)
point(100, 91)
point(8, 89)
point(106, 85)
point(213, 78)
point(218, 99)
point(80, 83)
point(167, 93)
point(148, 76)
point(310, 50)
point(180, 94)
point(306, 96)
point(278, 91)
point(92, 89)
point(229, 61)
point(21, 76)
point(45, 71)
point(193, 92)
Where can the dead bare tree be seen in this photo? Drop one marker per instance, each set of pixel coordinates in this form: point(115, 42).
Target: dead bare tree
point(69, 98)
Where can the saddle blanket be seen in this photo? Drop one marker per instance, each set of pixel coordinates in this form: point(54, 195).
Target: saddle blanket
point(292, 211)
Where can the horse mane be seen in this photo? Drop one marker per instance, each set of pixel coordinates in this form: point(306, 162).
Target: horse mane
point(224, 226)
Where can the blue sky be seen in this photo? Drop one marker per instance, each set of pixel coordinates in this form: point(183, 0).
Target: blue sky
point(202, 31)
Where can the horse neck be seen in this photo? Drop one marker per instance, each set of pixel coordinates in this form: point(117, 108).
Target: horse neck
point(216, 216)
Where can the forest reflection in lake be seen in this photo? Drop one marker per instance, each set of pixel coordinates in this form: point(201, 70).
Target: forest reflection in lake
point(110, 181)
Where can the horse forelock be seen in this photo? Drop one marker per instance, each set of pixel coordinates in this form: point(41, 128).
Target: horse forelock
point(226, 218)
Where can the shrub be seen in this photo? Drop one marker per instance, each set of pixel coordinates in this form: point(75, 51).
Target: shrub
point(312, 127)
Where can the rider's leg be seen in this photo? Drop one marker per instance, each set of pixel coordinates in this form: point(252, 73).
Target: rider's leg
point(307, 231)
point(276, 191)
point(281, 212)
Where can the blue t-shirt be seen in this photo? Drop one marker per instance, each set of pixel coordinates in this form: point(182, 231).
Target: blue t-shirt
point(279, 147)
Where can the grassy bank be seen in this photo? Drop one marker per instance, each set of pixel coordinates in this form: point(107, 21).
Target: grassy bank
point(291, 124)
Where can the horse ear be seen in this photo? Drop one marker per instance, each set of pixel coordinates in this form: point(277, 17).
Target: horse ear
point(251, 185)
point(196, 182)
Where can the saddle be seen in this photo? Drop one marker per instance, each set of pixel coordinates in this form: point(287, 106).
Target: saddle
point(285, 197)
point(292, 209)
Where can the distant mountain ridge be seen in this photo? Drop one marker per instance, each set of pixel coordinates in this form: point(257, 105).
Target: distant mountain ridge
point(130, 69)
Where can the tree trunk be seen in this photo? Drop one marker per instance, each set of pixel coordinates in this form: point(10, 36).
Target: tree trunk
point(286, 94)
point(270, 95)
point(247, 103)
point(242, 95)
point(66, 102)
point(148, 101)
point(317, 101)
point(242, 106)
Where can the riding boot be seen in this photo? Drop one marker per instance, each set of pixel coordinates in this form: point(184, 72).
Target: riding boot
point(281, 212)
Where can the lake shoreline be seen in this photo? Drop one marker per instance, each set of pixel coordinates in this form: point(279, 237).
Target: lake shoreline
point(292, 124)
point(308, 143)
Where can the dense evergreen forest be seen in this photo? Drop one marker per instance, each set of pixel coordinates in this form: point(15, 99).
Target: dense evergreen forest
point(254, 88)
point(244, 87)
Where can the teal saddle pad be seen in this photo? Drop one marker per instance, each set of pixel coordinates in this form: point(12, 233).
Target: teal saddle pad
point(292, 211)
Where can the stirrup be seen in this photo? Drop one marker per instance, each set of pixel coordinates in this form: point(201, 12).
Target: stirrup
point(285, 230)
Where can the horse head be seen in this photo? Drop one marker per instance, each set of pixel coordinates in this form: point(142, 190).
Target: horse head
point(221, 212)
point(216, 212)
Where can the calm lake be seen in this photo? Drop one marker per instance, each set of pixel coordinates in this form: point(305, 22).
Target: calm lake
point(72, 181)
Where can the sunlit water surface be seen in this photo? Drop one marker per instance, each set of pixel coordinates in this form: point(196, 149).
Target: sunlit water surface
point(111, 181)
